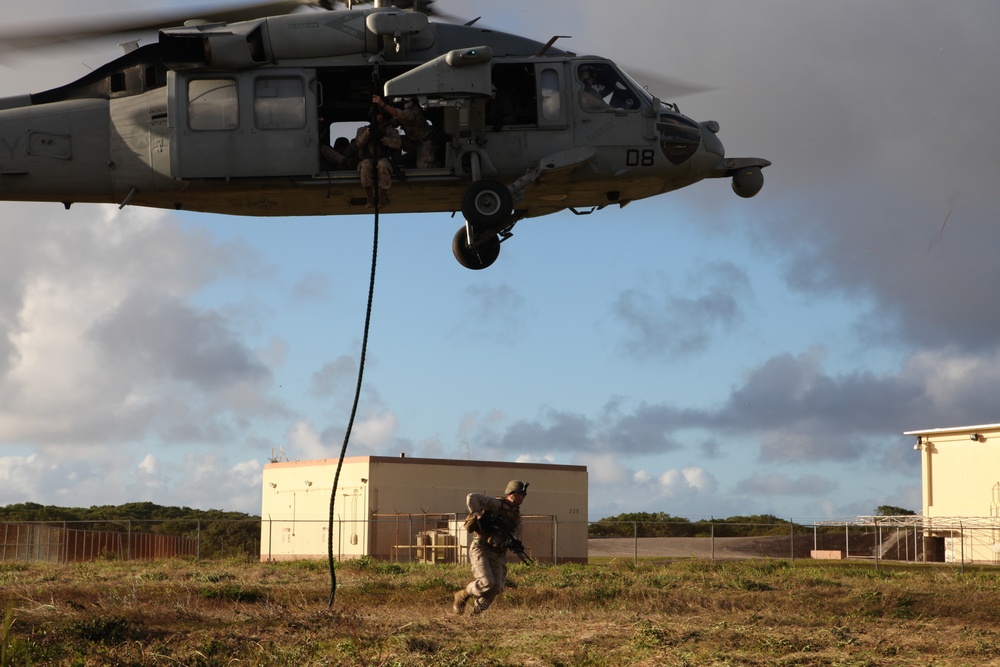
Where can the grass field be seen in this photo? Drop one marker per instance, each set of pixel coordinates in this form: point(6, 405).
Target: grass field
point(609, 613)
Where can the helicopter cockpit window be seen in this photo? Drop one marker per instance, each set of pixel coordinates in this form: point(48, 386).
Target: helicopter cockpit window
point(213, 104)
point(603, 89)
point(279, 103)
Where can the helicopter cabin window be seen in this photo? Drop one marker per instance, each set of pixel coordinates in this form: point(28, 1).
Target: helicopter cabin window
point(551, 99)
point(515, 98)
point(603, 89)
point(152, 77)
point(279, 103)
point(213, 104)
point(117, 82)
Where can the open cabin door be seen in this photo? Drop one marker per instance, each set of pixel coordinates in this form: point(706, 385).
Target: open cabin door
point(243, 124)
point(461, 82)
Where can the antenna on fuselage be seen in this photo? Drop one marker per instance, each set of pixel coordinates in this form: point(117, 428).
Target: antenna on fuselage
point(548, 45)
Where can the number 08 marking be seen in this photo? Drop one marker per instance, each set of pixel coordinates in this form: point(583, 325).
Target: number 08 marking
point(634, 157)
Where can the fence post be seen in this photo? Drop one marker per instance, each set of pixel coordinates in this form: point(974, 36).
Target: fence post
point(197, 546)
point(635, 542)
point(791, 527)
point(555, 540)
point(711, 533)
point(878, 543)
point(961, 536)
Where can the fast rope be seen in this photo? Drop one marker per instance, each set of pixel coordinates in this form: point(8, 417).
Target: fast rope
point(354, 411)
point(361, 367)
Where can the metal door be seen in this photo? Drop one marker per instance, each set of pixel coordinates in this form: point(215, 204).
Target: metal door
point(246, 124)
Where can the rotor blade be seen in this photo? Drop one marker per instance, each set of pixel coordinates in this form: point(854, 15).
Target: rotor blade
point(93, 28)
point(664, 87)
point(422, 6)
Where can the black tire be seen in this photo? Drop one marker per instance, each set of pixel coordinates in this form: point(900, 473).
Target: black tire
point(748, 182)
point(487, 204)
point(482, 255)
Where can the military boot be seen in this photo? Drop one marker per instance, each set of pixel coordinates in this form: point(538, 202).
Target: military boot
point(461, 597)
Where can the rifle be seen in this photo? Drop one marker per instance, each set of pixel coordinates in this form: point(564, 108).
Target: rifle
point(490, 524)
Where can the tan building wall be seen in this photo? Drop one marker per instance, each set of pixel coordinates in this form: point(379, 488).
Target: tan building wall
point(374, 491)
point(960, 479)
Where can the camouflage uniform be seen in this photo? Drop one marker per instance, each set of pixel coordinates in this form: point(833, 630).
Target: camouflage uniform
point(369, 154)
point(419, 137)
point(489, 561)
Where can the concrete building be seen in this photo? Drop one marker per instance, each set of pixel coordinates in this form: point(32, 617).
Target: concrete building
point(408, 509)
point(960, 479)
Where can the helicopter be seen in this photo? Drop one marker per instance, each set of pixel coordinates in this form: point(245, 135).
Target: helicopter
point(232, 116)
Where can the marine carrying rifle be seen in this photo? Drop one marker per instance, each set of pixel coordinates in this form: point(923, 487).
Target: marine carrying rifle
point(490, 525)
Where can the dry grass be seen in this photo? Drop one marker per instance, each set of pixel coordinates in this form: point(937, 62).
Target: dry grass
point(685, 612)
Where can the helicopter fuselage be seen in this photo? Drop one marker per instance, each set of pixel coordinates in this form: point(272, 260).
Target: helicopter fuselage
point(231, 118)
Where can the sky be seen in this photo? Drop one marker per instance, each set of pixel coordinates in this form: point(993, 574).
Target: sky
point(702, 354)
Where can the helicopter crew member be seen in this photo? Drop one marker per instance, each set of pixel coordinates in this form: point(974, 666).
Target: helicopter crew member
point(418, 135)
point(377, 155)
point(592, 96)
point(342, 154)
point(488, 552)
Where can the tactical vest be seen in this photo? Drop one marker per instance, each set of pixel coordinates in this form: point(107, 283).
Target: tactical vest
point(487, 532)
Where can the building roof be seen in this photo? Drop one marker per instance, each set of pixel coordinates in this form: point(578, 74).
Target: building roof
point(406, 460)
point(954, 429)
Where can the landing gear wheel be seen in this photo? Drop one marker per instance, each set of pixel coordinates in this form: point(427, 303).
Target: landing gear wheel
point(487, 204)
point(748, 182)
point(481, 255)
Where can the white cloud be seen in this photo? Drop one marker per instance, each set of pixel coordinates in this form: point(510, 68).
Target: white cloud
point(14, 470)
point(304, 443)
point(376, 430)
point(149, 465)
point(102, 343)
point(642, 477)
point(604, 468)
point(690, 480)
point(536, 458)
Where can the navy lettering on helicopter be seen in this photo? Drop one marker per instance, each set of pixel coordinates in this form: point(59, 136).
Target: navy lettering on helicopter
point(601, 131)
point(640, 158)
point(246, 100)
point(11, 145)
point(341, 24)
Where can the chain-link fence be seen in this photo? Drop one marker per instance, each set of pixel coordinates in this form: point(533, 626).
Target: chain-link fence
point(727, 541)
point(78, 541)
point(441, 538)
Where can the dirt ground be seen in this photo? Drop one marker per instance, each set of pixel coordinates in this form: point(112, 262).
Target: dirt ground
point(692, 547)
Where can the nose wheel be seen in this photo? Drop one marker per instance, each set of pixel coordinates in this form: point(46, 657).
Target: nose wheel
point(487, 204)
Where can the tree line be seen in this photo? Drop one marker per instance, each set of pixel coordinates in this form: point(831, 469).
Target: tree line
point(661, 524)
point(220, 533)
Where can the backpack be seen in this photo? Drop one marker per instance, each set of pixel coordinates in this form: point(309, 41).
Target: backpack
point(472, 523)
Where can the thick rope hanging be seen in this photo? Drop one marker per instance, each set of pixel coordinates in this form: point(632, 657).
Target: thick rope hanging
point(376, 138)
point(354, 411)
